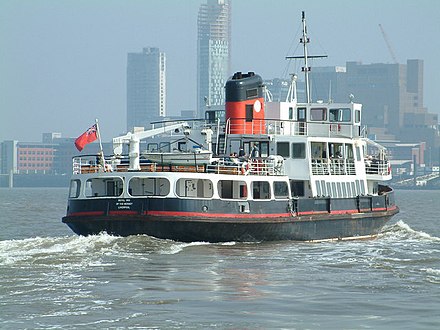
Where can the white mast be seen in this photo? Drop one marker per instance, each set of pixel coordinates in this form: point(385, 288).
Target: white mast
point(305, 40)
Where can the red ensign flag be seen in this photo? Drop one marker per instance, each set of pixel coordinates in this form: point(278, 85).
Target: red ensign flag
point(87, 137)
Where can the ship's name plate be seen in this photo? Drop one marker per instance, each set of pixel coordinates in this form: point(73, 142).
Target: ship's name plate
point(124, 204)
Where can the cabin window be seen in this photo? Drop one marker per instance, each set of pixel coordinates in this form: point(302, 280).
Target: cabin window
point(75, 188)
point(264, 149)
point(299, 150)
point(280, 189)
point(260, 190)
point(232, 189)
point(164, 147)
point(336, 150)
point(297, 188)
point(318, 114)
point(152, 147)
point(349, 151)
point(249, 112)
point(149, 187)
point(291, 113)
point(181, 146)
point(104, 187)
point(357, 116)
point(283, 149)
point(319, 150)
point(200, 188)
point(340, 115)
point(301, 114)
point(210, 116)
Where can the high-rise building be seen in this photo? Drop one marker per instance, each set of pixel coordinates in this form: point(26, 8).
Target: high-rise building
point(146, 87)
point(213, 53)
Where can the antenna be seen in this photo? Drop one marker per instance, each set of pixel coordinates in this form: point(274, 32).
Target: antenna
point(390, 49)
point(305, 40)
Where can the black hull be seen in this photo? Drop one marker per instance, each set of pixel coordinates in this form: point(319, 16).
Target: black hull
point(189, 229)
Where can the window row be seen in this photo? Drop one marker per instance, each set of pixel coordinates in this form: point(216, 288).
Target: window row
point(185, 187)
point(335, 115)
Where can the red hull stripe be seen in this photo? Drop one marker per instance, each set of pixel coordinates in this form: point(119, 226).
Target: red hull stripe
point(216, 215)
point(123, 212)
point(343, 211)
point(86, 213)
point(312, 212)
point(223, 215)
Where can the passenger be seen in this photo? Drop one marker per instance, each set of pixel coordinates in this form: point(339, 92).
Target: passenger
point(255, 153)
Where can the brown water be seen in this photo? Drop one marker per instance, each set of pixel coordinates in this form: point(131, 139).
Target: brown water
point(51, 278)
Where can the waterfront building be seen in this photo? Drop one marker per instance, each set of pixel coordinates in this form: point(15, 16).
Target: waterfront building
point(146, 87)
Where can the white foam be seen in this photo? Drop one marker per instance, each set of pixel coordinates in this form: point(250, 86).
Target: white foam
point(402, 230)
point(178, 247)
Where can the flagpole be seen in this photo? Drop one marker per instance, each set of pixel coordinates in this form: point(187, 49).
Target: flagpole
point(100, 143)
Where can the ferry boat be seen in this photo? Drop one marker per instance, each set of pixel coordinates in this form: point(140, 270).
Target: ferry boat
point(256, 171)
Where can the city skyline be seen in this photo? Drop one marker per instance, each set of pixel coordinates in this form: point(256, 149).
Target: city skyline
point(63, 64)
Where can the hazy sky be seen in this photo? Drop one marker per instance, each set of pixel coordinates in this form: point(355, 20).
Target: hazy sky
point(63, 62)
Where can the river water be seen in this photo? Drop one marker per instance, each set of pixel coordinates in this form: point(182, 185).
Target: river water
point(52, 279)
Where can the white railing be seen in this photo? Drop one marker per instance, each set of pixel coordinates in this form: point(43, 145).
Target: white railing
point(324, 166)
point(256, 166)
point(290, 127)
point(378, 167)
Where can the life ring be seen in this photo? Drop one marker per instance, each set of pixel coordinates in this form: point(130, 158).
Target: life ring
point(245, 168)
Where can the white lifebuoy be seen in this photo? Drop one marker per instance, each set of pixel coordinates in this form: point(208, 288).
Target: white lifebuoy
point(245, 168)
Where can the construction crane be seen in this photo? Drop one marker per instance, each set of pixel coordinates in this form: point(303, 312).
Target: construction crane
point(390, 49)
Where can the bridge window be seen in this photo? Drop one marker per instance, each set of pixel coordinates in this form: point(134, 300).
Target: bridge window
point(318, 114)
point(340, 115)
point(149, 187)
point(357, 116)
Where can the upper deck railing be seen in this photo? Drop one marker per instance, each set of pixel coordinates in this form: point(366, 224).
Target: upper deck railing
point(228, 165)
point(325, 166)
point(377, 166)
point(291, 127)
